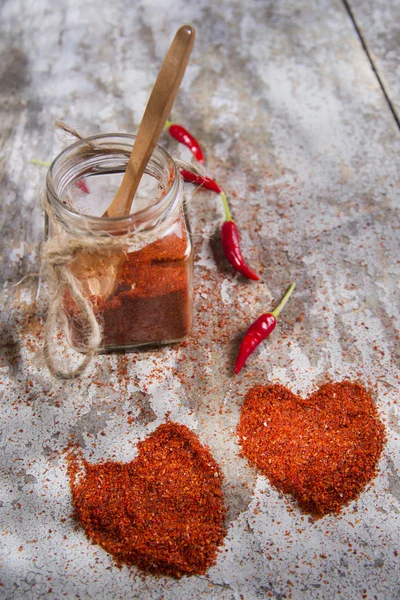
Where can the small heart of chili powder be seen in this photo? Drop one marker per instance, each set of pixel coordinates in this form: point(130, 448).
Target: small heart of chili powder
point(323, 450)
point(162, 512)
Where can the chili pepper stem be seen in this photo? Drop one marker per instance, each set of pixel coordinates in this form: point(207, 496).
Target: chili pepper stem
point(41, 163)
point(282, 303)
point(226, 206)
point(168, 124)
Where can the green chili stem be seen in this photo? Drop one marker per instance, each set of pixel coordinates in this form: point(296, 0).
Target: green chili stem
point(282, 303)
point(168, 124)
point(35, 161)
point(226, 206)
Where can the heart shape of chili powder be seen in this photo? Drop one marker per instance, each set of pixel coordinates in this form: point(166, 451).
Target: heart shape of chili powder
point(162, 512)
point(323, 450)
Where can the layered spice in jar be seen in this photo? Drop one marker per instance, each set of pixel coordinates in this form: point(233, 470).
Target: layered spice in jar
point(137, 270)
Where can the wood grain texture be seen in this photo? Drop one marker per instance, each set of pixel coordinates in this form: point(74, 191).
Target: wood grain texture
point(379, 27)
point(296, 130)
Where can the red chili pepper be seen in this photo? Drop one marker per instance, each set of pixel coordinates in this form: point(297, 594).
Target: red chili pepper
point(259, 330)
point(204, 181)
point(231, 244)
point(229, 233)
point(82, 185)
point(184, 137)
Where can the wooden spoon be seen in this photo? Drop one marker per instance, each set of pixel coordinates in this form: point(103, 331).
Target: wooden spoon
point(99, 275)
point(155, 116)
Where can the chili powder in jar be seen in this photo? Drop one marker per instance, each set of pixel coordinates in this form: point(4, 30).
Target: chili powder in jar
point(152, 302)
point(140, 289)
point(323, 450)
point(162, 512)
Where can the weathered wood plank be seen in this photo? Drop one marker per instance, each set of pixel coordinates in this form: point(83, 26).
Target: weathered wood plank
point(379, 26)
point(297, 130)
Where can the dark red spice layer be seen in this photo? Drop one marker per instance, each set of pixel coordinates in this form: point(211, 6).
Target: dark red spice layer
point(152, 302)
point(162, 512)
point(323, 450)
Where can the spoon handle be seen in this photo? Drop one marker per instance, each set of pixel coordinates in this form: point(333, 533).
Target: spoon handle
point(155, 116)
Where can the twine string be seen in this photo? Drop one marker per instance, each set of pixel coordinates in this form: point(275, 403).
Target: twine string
point(59, 253)
point(63, 280)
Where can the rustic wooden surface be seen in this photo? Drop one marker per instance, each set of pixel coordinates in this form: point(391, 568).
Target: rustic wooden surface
point(297, 129)
point(378, 24)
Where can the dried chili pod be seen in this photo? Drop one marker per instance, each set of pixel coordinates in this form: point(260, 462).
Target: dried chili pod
point(182, 135)
point(82, 186)
point(229, 234)
point(259, 330)
point(231, 244)
point(203, 181)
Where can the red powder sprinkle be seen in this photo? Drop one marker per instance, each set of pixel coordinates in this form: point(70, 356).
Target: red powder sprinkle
point(162, 512)
point(323, 450)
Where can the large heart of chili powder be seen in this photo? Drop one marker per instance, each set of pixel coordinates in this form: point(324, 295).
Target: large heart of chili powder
point(162, 512)
point(323, 450)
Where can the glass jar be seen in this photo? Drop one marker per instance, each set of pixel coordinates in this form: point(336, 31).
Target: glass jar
point(141, 291)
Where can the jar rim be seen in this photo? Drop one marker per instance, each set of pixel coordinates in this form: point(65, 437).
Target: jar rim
point(126, 220)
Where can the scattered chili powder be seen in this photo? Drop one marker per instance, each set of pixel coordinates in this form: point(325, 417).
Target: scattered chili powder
point(323, 450)
point(162, 512)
